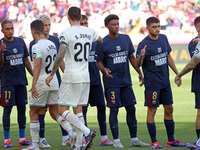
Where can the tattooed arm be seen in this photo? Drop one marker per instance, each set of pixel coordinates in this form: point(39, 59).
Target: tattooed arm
point(57, 63)
point(191, 65)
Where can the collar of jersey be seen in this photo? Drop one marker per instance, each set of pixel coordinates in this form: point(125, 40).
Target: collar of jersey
point(41, 40)
point(76, 25)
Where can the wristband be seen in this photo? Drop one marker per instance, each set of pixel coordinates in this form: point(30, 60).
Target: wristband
point(1, 53)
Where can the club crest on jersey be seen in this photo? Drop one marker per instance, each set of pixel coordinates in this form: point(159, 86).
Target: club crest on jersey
point(159, 49)
point(196, 51)
point(62, 38)
point(118, 48)
point(15, 50)
point(34, 55)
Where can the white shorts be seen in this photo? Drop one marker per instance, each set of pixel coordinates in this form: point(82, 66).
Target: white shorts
point(74, 94)
point(44, 98)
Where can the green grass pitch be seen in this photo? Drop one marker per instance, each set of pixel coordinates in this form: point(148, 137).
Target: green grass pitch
point(184, 117)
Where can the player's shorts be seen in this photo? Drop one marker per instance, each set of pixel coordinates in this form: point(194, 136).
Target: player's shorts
point(13, 95)
point(96, 96)
point(118, 97)
point(197, 100)
point(45, 98)
point(74, 94)
point(155, 97)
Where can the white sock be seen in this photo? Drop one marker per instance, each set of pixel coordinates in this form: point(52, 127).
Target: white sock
point(65, 124)
point(134, 139)
point(79, 138)
point(116, 140)
point(34, 130)
point(35, 144)
point(42, 139)
point(21, 139)
point(65, 138)
point(104, 137)
point(73, 119)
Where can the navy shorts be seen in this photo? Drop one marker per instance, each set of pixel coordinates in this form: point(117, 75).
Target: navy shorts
point(197, 100)
point(96, 96)
point(118, 97)
point(13, 95)
point(155, 97)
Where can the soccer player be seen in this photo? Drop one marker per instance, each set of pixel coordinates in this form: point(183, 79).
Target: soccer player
point(194, 48)
point(47, 25)
point(113, 58)
point(153, 54)
point(76, 43)
point(44, 54)
point(96, 96)
point(13, 81)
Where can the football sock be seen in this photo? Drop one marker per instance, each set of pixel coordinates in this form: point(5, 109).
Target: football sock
point(64, 132)
point(42, 139)
point(198, 132)
point(104, 137)
point(79, 138)
point(6, 121)
point(152, 131)
point(134, 139)
point(114, 122)
point(73, 119)
point(131, 120)
point(101, 116)
point(65, 138)
point(169, 125)
point(42, 125)
point(21, 110)
point(117, 140)
point(34, 130)
point(65, 124)
point(84, 114)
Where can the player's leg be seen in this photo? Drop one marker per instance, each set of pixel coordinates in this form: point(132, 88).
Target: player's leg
point(167, 101)
point(96, 98)
point(85, 113)
point(197, 106)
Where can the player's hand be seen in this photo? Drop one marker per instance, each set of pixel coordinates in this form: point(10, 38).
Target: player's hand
point(3, 46)
point(142, 53)
point(178, 81)
point(48, 80)
point(141, 79)
point(107, 73)
point(34, 92)
point(196, 41)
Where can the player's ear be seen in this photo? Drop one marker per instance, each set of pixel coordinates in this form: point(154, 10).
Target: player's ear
point(68, 17)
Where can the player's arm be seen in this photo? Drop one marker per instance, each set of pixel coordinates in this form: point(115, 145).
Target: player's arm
point(99, 40)
point(28, 66)
point(104, 69)
point(139, 60)
point(133, 63)
point(62, 66)
point(171, 64)
point(57, 63)
point(36, 73)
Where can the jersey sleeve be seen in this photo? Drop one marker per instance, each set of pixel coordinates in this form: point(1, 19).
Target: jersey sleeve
point(37, 53)
point(139, 48)
point(98, 52)
point(131, 48)
point(64, 38)
point(95, 35)
point(169, 49)
point(26, 54)
point(197, 50)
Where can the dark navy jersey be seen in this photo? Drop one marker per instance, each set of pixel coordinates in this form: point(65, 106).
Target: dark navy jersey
point(155, 61)
point(55, 40)
point(13, 71)
point(115, 56)
point(93, 69)
point(196, 70)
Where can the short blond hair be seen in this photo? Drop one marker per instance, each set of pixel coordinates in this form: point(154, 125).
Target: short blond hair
point(43, 17)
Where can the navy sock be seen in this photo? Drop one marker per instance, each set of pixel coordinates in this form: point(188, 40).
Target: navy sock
point(114, 122)
point(131, 120)
point(84, 114)
point(152, 131)
point(101, 116)
point(64, 132)
point(6, 121)
point(198, 132)
point(42, 125)
point(21, 109)
point(169, 124)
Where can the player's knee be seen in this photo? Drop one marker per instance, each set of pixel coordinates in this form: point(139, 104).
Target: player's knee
point(114, 111)
point(43, 110)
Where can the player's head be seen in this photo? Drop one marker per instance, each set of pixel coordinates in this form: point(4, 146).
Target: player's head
point(37, 28)
point(7, 29)
point(112, 23)
point(84, 21)
point(197, 23)
point(47, 23)
point(153, 26)
point(74, 13)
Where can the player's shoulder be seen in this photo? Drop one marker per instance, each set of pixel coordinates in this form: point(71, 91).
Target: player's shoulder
point(162, 36)
point(18, 39)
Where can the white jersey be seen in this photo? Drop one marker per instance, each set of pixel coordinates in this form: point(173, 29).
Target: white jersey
point(45, 50)
point(79, 42)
